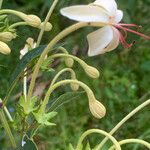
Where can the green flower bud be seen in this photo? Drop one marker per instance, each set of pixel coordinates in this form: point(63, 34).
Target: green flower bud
point(4, 48)
point(7, 36)
point(92, 72)
point(97, 109)
point(48, 26)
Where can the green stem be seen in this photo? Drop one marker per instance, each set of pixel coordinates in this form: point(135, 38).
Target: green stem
point(138, 141)
point(46, 20)
point(123, 121)
point(7, 128)
point(1, 2)
point(60, 36)
point(61, 72)
point(58, 84)
point(18, 24)
point(85, 134)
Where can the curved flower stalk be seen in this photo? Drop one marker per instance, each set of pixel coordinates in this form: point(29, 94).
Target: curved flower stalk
point(128, 141)
point(85, 134)
point(93, 103)
point(107, 38)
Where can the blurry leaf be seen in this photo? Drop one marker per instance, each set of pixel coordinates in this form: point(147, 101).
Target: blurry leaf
point(71, 147)
point(65, 98)
point(24, 62)
point(145, 66)
point(44, 118)
point(28, 106)
point(88, 146)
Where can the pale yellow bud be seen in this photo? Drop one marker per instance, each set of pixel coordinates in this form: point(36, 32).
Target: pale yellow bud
point(7, 36)
point(92, 72)
point(97, 109)
point(74, 86)
point(69, 62)
point(32, 20)
point(4, 48)
point(48, 26)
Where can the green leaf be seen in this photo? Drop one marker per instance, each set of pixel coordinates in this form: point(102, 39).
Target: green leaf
point(24, 62)
point(44, 118)
point(28, 106)
point(65, 98)
point(70, 147)
point(88, 146)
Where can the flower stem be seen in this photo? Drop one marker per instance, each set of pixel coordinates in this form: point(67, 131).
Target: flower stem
point(18, 24)
point(123, 121)
point(1, 2)
point(138, 141)
point(117, 146)
point(46, 20)
point(58, 84)
point(7, 128)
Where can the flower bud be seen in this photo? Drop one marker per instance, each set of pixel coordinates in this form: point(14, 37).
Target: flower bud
point(33, 20)
point(69, 62)
point(7, 36)
point(4, 48)
point(97, 109)
point(48, 26)
point(74, 86)
point(92, 72)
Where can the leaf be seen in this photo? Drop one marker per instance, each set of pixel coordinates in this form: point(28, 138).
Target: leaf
point(65, 98)
point(70, 147)
point(88, 146)
point(24, 62)
point(44, 118)
point(28, 106)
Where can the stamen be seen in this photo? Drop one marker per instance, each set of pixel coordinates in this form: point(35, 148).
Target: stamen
point(129, 25)
point(135, 32)
point(123, 41)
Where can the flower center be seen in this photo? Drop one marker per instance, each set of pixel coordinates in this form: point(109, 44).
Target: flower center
point(122, 38)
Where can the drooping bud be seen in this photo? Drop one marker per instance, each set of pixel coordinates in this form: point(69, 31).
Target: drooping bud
point(97, 109)
point(48, 26)
point(74, 86)
point(69, 62)
point(32, 20)
point(92, 72)
point(7, 36)
point(4, 48)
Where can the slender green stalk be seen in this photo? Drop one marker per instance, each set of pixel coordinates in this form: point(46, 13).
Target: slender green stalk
point(46, 20)
point(60, 73)
point(60, 36)
point(131, 114)
point(7, 128)
point(1, 2)
point(138, 141)
point(85, 134)
point(60, 83)
point(18, 24)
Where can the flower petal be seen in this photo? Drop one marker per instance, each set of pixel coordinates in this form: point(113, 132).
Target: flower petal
point(109, 5)
point(118, 16)
point(99, 40)
point(115, 41)
point(85, 13)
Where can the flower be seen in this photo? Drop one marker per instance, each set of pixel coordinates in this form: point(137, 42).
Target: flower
point(108, 37)
point(4, 49)
point(7, 36)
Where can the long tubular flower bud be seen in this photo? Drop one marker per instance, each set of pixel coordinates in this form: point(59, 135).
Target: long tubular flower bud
point(89, 92)
point(32, 20)
point(4, 49)
point(89, 70)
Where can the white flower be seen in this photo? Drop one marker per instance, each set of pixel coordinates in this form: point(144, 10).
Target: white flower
point(102, 11)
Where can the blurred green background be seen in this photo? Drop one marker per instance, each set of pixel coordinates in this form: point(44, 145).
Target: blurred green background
point(124, 82)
